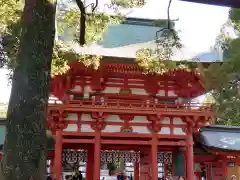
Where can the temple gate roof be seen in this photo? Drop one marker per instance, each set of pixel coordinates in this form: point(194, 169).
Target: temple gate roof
point(229, 3)
point(137, 32)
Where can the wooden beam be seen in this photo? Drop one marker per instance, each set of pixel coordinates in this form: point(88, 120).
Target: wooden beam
point(169, 143)
point(130, 110)
point(83, 141)
point(125, 142)
point(83, 134)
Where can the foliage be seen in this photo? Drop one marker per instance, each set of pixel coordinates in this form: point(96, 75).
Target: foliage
point(234, 16)
point(157, 60)
point(63, 55)
point(146, 58)
point(111, 167)
point(162, 23)
point(3, 114)
point(128, 3)
point(223, 39)
point(224, 78)
point(96, 25)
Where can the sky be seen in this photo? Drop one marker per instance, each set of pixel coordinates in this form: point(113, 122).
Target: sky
point(198, 26)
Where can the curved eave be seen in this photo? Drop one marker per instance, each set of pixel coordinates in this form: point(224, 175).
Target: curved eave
point(227, 3)
point(220, 138)
point(113, 68)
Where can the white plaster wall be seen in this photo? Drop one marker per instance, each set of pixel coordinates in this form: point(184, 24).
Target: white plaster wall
point(117, 83)
point(71, 128)
point(178, 131)
point(171, 93)
point(112, 128)
point(178, 120)
point(140, 130)
point(71, 117)
point(86, 117)
point(113, 90)
point(54, 100)
point(139, 119)
point(138, 91)
point(87, 91)
point(139, 80)
point(86, 128)
point(160, 93)
point(165, 130)
point(134, 84)
point(166, 120)
point(115, 78)
point(113, 118)
point(77, 88)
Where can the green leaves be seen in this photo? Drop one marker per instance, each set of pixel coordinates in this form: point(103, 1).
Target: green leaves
point(224, 78)
point(63, 55)
point(234, 15)
point(157, 60)
point(96, 25)
point(146, 58)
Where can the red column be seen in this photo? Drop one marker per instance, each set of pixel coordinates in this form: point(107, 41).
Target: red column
point(225, 168)
point(97, 155)
point(190, 160)
point(90, 164)
point(58, 155)
point(208, 170)
point(145, 165)
point(136, 171)
point(154, 151)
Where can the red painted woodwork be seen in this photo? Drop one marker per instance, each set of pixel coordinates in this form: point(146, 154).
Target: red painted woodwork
point(145, 171)
point(154, 151)
point(189, 154)
point(92, 109)
point(97, 156)
point(187, 84)
point(136, 171)
point(90, 164)
point(56, 121)
point(58, 156)
point(217, 171)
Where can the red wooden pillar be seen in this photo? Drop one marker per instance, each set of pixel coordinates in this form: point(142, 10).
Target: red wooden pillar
point(208, 170)
point(58, 155)
point(136, 171)
point(198, 175)
point(225, 168)
point(97, 155)
point(98, 127)
point(145, 165)
point(154, 159)
point(190, 159)
point(90, 164)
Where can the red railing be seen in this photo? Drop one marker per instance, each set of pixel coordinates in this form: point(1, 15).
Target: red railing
point(135, 105)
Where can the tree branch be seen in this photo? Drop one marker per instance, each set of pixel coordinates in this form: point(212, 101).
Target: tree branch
point(82, 22)
point(95, 6)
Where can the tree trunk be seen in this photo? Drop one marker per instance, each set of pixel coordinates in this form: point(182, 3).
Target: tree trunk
point(24, 149)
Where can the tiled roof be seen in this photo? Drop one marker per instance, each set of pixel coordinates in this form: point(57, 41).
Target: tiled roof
point(123, 40)
point(228, 3)
point(129, 51)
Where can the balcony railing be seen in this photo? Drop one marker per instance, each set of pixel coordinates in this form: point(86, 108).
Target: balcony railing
point(134, 105)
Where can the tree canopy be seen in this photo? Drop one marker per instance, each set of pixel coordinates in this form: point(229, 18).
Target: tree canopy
point(96, 24)
point(67, 18)
point(223, 78)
